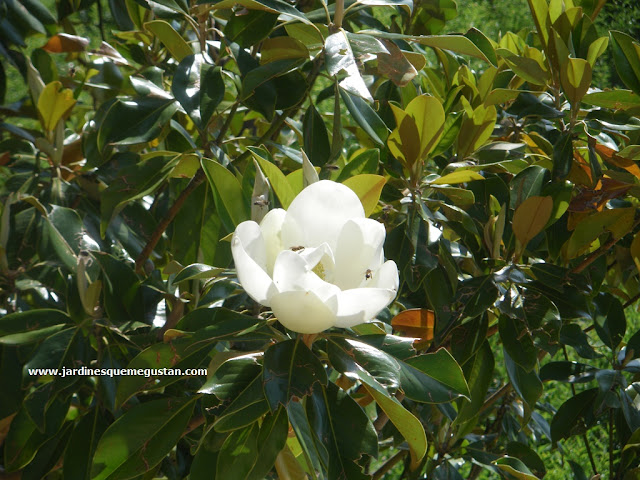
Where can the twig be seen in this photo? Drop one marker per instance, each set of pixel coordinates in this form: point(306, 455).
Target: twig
point(584, 435)
point(631, 301)
point(598, 253)
point(497, 395)
point(100, 20)
point(195, 182)
point(389, 464)
point(383, 418)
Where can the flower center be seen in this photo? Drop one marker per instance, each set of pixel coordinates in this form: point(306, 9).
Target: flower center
point(319, 270)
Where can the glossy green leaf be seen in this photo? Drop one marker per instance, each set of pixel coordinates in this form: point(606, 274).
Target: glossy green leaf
point(455, 43)
point(571, 334)
point(271, 440)
point(576, 79)
point(196, 271)
point(459, 176)
point(248, 406)
point(165, 421)
point(198, 87)
point(82, 445)
point(408, 425)
point(355, 358)
point(476, 295)
point(262, 75)
point(216, 323)
point(433, 378)
point(616, 99)
point(315, 137)
point(339, 58)
point(525, 184)
point(22, 441)
point(282, 48)
point(231, 376)
point(171, 39)
point(159, 364)
point(145, 119)
point(531, 217)
point(334, 418)
point(228, 189)
point(626, 57)
point(476, 129)
point(526, 384)
point(31, 325)
point(517, 341)
point(290, 370)
point(526, 68)
point(515, 467)
point(53, 352)
point(135, 181)
point(277, 179)
point(609, 320)
point(565, 371)
point(65, 232)
point(573, 414)
point(479, 373)
point(368, 187)
point(54, 104)
point(617, 221)
point(250, 27)
point(275, 6)
point(238, 453)
point(365, 117)
point(562, 156)
point(363, 163)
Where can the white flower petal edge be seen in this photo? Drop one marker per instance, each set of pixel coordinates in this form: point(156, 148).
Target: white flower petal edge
point(318, 214)
point(360, 305)
point(386, 276)
point(249, 255)
point(319, 264)
point(271, 226)
point(304, 312)
point(359, 248)
point(293, 273)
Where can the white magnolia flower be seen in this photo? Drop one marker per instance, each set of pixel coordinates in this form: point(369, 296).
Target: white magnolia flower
point(318, 264)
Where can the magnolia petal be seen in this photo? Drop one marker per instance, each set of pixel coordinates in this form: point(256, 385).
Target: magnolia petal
point(303, 311)
point(248, 250)
point(386, 276)
point(322, 256)
point(292, 273)
point(358, 252)
point(318, 214)
point(271, 226)
point(360, 305)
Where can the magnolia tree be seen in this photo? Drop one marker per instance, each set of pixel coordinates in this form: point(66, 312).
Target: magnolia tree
point(265, 239)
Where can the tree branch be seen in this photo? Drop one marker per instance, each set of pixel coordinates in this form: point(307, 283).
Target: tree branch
point(389, 464)
point(598, 253)
point(194, 183)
